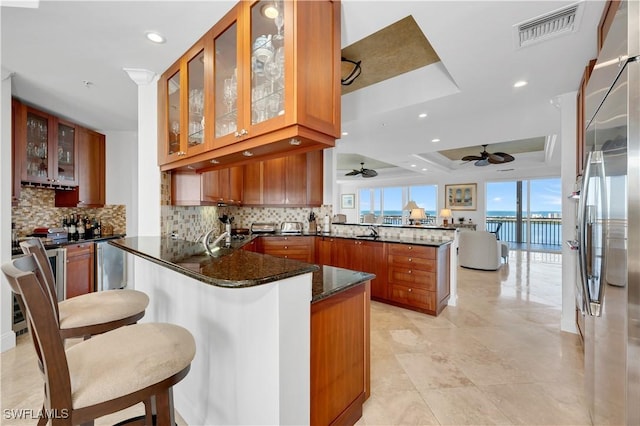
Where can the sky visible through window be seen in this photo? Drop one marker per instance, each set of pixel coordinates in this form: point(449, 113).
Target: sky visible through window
point(545, 196)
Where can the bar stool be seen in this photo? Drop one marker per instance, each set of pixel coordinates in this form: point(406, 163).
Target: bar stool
point(111, 371)
point(92, 313)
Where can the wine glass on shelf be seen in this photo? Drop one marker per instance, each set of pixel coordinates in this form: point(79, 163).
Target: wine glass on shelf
point(175, 129)
point(279, 21)
point(272, 72)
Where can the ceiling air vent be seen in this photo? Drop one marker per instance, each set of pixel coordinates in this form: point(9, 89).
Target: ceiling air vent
point(556, 23)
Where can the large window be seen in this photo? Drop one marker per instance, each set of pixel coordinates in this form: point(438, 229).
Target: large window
point(386, 204)
point(527, 213)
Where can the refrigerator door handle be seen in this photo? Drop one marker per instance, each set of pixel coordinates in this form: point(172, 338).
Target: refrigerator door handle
point(590, 272)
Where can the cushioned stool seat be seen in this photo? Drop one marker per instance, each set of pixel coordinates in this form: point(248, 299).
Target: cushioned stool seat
point(126, 360)
point(113, 305)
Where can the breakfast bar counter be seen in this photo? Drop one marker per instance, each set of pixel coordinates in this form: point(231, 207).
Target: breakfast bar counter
point(255, 319)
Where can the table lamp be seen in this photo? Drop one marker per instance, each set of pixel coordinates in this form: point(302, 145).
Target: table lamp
point(410, 206)
point(445, 214)
point(417, 214)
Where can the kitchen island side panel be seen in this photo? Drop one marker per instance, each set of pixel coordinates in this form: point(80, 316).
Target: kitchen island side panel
point(252, 346)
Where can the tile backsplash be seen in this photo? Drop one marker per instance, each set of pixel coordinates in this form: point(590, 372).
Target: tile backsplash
point(36, 208)
point(191, 222)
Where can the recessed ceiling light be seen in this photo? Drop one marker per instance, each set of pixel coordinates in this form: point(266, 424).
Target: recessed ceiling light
point(345, 133)
point(248, 154)
point(155, 37)
point(424, 169)
point(413, 165)
point(214, 161)
point(435, 140)
point(423, 115)
point(520, 83)
point(294, 142)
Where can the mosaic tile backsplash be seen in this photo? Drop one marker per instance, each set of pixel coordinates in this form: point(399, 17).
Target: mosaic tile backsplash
point(36, 208)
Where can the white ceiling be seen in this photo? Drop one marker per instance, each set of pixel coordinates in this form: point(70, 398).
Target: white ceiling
point(469, 96)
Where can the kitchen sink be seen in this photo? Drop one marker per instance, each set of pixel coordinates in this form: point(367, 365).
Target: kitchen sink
point(368, 237)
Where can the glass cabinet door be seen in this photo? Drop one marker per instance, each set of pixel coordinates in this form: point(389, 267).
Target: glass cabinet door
point(173, 114)
point(66, 153)
point(37, 147)
point(267, 60)
point(226, 81)
point(195, 76)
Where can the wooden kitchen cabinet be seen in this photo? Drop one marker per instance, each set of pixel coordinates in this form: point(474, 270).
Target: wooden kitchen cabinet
point(46, 147)
point(90, 191)
point(223, 186)
point(295, 180)
point(184, 95)
point(79, 274)
point(207, 189)
point(271, 86)
point(296, 247)
point(325, 248)
point(365, 256)
point(418, 277)
point(340, 357)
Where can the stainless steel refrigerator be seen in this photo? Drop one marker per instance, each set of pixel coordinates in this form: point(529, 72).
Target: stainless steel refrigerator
point(609, 226)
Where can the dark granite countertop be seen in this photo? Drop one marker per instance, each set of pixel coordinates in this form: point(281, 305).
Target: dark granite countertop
point(330, 280)
point(61, 243)
point(387, 239)
point(227, 267)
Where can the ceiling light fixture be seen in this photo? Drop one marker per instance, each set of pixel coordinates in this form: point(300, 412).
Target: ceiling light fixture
point(413, 165)
point(424, 169)
point(435, 140)
point(520, 83)
point(294, 142)
point(214, 161)
point(155, 37)
point(423, 115)
point(345, 133)
point(248, 154)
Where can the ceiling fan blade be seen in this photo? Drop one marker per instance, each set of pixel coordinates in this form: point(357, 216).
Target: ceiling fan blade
point(471, 158)
point(495, 158)
point(353, 173)
point(482, 162)
point(505, 157)
point(368, 173)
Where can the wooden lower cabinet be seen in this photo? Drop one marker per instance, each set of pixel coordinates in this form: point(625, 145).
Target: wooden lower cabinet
point(300, 248)
point(410, 276)
point(418, 277)
point(340, 340)
point(365, 256)
point(79, 274)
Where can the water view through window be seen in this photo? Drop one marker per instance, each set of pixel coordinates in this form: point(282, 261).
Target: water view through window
point(528, 212)
point(387, 203)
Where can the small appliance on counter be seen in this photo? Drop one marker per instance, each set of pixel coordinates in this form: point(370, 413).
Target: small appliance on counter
point(263, 228)
point(339, 218)
point(291, 228)
point(53, 234)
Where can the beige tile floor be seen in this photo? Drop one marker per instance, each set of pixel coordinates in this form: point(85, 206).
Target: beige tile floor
point(497, 358)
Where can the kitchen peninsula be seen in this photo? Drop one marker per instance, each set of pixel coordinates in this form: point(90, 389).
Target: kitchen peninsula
point(256, 319)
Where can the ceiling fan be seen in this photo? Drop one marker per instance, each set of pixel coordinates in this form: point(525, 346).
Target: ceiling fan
point(366, 173)
point(485, 158)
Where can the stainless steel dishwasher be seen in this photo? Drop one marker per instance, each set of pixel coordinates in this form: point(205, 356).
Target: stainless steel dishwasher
point(111, 267)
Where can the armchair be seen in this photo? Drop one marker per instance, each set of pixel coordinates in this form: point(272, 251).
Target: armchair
point(479, 250)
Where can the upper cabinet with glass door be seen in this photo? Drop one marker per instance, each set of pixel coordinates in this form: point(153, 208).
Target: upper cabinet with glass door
point(275, 77)
point(47, 148)
point(182, 100)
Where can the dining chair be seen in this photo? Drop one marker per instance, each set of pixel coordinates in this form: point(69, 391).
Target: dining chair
point(107, 373)
point(91, 313)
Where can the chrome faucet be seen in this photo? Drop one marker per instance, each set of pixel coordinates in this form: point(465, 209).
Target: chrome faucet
point(208, 247)
point(374, 231)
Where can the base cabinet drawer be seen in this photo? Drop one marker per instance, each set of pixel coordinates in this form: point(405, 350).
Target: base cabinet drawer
point(412, 251)
point(413, 296)
point(413, 262)
point(412, 277)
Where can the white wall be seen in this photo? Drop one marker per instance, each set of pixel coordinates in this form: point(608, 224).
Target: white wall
point(7, 336)
point(122, 173)
point(568, 167)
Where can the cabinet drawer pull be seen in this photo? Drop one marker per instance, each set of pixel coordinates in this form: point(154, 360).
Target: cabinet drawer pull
point(410, 259)
point(410, 290)
point(409, 270)
point(410, 247)
point(286, 247)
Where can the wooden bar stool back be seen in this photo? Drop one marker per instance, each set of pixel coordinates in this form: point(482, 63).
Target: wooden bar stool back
point(111, 371)
point(92, 313)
